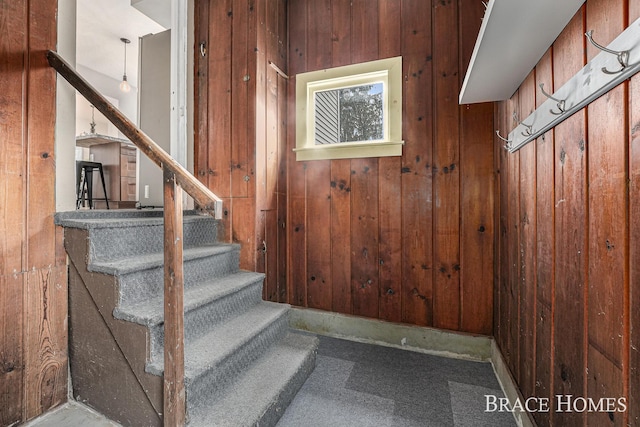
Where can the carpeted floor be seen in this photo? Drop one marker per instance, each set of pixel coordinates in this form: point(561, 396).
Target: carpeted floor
point(357, 384)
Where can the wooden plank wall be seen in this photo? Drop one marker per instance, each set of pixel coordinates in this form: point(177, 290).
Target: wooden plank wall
point(241, 135)
point(568, 282)
point(33, 273)
point(409, 238)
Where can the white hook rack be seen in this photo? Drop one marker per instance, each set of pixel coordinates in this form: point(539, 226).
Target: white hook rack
point(590, 83)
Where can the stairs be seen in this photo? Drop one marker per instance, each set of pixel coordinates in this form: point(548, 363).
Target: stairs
point(242, 363)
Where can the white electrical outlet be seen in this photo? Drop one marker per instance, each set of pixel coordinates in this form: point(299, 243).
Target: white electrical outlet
point(146, 191)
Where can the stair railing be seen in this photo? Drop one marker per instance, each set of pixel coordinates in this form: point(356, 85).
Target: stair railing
point(176, 178)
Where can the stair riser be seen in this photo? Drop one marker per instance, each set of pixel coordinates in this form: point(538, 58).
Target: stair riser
point(122, 242)
point(197, 322)
point(212, 384)
point(142, 285)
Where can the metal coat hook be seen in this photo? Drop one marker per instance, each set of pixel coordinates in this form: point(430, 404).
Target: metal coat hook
point(529, 130)
point(560, 102)
point(623, 56)
point(507, 146)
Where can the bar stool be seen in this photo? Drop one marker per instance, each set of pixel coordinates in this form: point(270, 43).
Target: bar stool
point(84, 183)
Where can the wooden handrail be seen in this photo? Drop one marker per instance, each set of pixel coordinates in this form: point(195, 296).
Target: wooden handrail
point(176, 178)
point(200, 193)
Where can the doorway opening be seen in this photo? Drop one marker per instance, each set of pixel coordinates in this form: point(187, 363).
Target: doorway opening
point(90, 34)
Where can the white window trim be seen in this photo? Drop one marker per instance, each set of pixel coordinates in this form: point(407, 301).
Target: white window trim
point(388, 71)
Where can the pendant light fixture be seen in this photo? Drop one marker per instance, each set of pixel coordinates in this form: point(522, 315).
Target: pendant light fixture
point(124, 84)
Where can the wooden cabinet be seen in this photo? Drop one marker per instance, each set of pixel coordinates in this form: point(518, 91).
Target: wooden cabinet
point(118, 158)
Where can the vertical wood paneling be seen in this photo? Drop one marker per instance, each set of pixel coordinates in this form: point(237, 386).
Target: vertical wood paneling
point(341, 33)
point(364, 181)
point(634, 237)
point(375, 214)
point(476, 195)
point(446, 181)
point(267, 181)
point(318, 47)
point(545, 250)
point(341, 236)
point(513, 250)
point(528, 236)
point(13, 23)
point(364, 237)
point(417, 164)
point(40, 166)
point(477, 224)
point(219, 102)
point(608, 280)
point(264, 107)
point(270, 253)
point(254, 108)
point(570, 231)
point(282, 239)
point(296, 211)
point(586, 180)
point(247, 224)
point(240, 141)
point(45, 312)
point(501, 266)
point(45, 340)
point(254, 150)
point(319, 236)
point(33, 274)
point(364, 36)
point(201, 98)
point(381, 210)
point(341, 175)
point(11, 349)
point(390, 186)
point(318, 174)
point(271, 144)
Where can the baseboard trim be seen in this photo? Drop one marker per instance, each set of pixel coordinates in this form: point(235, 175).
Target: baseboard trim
point(509, 387)
point(408, 337)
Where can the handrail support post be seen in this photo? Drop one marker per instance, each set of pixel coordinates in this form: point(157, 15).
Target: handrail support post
point(174, 390)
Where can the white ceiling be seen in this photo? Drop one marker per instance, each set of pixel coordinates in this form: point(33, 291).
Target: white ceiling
point(100, 25)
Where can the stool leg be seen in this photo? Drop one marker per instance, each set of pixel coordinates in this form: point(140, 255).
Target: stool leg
point(79, 188)
point(89, 175)
point(83, 188)
point(104, 187)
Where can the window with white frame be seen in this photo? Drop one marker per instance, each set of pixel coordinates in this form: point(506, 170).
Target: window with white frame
point(350, 112)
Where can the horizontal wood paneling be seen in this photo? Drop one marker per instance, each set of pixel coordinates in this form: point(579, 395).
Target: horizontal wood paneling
point(579, 184)
point(33, 273)
point(394, 224)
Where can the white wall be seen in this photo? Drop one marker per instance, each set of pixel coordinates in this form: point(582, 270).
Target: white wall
point(109, 87)
point(155, 101)
point(65, 111)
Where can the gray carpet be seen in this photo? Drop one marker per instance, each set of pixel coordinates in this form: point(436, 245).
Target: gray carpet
point(357, 384)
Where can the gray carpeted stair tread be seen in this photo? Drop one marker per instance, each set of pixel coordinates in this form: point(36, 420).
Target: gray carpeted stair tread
point(148, 261)
point(151, 312)
point(223, 340)
point(262, 393)
point(122, 222)
point(62, 218)
point(72, 219)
